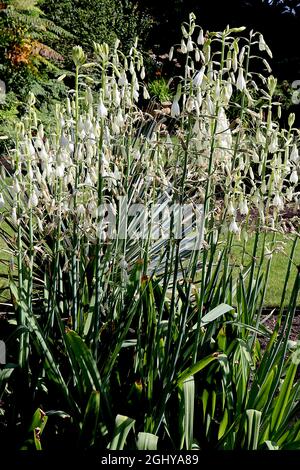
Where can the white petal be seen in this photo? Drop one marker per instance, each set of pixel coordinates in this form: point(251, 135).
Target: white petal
point(175, 109)
point(197, 81)
point(233, 227)
point(240, 83)
point(294, 177)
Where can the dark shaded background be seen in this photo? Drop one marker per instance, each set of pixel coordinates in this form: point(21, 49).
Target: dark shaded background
point(277, 20)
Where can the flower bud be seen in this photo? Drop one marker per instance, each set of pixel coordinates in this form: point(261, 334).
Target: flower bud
point(78, 56)
point(291, 119)
point(261, 43)
point(207, 52)
point(272, 83)
point(171, 53)
point(241, 56)
point(234, 61)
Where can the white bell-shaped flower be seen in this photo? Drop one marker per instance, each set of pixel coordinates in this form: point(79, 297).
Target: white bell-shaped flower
point(189, 45)
point(294, 154)
point(277, 201)
point(294, 177)
point(230, 209)
point(200, 39)
point(233, 227)
point(33, 200)
point(175, 109)
point(197, 81)
point(241, 83)
point(102, 110)
point(243, 207)
point(183, 48)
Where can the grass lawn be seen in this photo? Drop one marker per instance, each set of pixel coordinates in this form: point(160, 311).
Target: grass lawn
point(279, 265)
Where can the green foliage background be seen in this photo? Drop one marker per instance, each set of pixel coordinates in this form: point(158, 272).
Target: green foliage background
point(99, 21)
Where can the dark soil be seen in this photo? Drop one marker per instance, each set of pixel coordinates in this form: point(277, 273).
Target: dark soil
point(270, 324)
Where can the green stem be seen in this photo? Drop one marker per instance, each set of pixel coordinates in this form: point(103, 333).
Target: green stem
point(75, 254)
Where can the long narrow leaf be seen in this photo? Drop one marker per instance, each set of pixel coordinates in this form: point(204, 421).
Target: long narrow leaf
point(147, 441)
point(122, 429)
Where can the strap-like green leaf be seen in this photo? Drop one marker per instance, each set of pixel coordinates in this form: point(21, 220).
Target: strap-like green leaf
point(87, 372)
point(196, 368)
point(215, 313)
point(122, 428)
point(253, 427)
point(223, 424)
point(90, 421)
point(147, 441)
point(189, 402)
point(279, 412)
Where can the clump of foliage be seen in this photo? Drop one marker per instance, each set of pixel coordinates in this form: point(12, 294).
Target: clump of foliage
point(27, 62)
point(26, 59)
point(91, 20)
point(125, 330)
point(160, 89)
point(9, 111)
